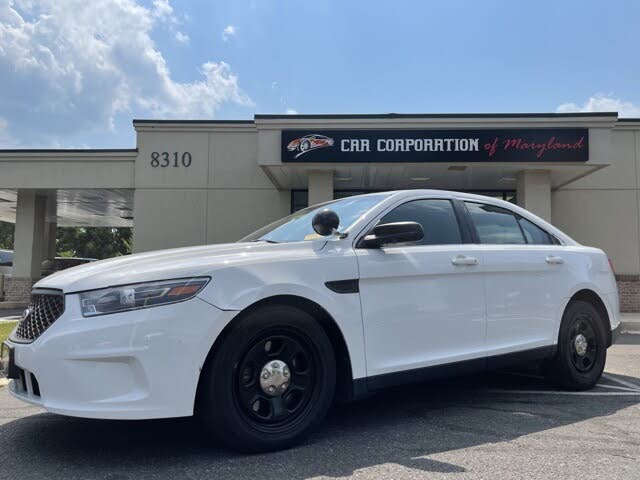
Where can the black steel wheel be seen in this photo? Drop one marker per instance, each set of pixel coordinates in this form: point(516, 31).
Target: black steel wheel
point(582, 349)
point(583, 343)
point(276, 379)
point(270, 382)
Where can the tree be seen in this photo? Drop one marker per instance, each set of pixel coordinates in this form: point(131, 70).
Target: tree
point(6, 235)
point(90, 242)
point(94, 242)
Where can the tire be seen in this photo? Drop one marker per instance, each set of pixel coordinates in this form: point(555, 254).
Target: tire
point(578, 364)
point(236, 404)
point(305, 145)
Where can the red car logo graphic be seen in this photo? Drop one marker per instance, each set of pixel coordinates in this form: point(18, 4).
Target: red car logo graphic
point(308, 143)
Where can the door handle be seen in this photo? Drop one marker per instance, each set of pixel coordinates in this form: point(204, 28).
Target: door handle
point(464, 260)
point(554, 260)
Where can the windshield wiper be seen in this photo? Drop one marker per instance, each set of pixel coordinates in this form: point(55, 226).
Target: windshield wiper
point(264, 240)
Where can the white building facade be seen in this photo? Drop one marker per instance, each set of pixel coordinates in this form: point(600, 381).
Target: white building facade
point(198, 182)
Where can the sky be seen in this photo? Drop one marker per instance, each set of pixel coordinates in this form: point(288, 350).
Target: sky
point(74, 73)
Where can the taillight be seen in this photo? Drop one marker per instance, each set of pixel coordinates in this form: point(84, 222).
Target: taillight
point(613, 270)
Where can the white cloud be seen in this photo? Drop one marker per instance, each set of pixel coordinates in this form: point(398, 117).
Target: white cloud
point(291, 111)
point(163, 10)
point(71, 66)
point(182, 38)
point(602, 103)
point(228, 32)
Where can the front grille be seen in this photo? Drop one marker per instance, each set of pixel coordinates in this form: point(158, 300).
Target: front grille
point(44, 309)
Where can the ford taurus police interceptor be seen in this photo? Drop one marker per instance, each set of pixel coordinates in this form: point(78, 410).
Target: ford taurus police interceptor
point(258, 338)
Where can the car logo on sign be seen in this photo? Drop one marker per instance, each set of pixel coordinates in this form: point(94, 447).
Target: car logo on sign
point(309, 142)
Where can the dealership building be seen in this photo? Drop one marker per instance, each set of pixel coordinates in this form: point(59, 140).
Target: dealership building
point(195, 182)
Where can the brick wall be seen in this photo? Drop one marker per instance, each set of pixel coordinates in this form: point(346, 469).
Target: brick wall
point(629, 291)
point(18, 289)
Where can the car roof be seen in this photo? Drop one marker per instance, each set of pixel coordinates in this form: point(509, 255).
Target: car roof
point(395, 195)
point(452, 194)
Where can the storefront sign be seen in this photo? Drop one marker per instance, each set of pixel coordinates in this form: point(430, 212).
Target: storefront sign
point(397, 146)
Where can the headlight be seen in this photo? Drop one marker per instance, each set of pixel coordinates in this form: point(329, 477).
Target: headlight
point(140, 295)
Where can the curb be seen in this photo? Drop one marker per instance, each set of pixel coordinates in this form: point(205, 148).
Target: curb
point(630, 321)
point(13, 305)
point(631, 326)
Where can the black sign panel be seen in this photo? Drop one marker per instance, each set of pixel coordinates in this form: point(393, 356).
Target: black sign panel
point(397, 146)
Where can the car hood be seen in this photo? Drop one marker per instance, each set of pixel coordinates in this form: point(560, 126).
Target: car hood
point(170, 264)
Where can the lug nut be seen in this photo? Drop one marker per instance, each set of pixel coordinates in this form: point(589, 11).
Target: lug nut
point(284, 386)
point(265, 375)
point(271, 389)
point(285, 372)
point(275, 365)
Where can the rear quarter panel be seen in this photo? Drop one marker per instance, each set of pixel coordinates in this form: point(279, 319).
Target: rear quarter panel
point(589, 269)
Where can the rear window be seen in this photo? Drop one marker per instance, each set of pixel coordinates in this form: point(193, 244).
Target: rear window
point(534, 234)
point(495, 225)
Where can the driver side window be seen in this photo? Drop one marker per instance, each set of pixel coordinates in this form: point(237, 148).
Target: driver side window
point(436, 216)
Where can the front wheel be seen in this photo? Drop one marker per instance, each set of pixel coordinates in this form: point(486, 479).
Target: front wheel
point(582, 350)
point(271, 381)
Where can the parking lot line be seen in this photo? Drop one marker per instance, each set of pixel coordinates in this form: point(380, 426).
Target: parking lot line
point(615, 387)
point(628, 388)
point(554, 392)
point(622, 382)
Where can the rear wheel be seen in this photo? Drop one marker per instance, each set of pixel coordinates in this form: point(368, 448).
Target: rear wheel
point(271, 381)
point(582, 350)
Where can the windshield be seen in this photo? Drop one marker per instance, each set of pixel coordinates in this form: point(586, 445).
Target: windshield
point(297, 226)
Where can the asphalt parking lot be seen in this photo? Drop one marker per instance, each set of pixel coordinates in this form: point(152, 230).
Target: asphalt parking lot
point(497, 426)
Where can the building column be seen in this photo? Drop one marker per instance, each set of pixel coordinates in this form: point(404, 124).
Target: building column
point(28, 246)
point(320, 186)
point(50, 228)
point(534, 192)
point(49, 243)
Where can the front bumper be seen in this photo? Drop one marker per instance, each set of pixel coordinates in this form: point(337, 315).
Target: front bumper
point(133, 365)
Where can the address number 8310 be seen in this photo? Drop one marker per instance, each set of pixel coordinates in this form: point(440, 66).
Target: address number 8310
point(175, 159)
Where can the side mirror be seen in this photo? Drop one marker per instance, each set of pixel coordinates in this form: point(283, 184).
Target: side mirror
point(389, 233)
point(325, 222)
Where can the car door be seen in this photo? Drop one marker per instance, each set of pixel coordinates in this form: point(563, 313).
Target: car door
point(422, 303)
point(526, 279)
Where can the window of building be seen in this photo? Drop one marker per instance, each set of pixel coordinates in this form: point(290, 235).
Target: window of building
point(299, 200)
point(436, 216)
point(495, 225)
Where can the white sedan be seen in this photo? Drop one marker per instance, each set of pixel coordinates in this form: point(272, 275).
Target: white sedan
point(259, 337)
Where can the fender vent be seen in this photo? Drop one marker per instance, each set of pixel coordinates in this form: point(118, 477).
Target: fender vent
point(343, 286)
